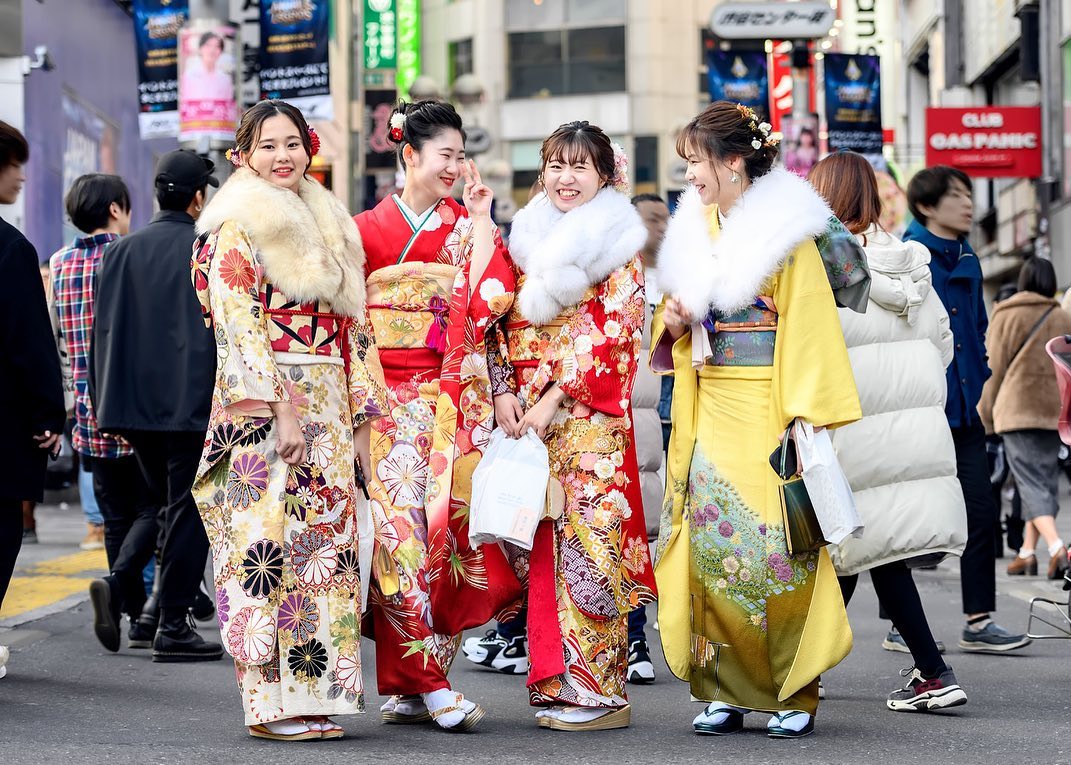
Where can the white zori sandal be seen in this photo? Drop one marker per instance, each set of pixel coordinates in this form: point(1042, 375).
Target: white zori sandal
point(404, 710)
point(452, 711)
point(291, 729)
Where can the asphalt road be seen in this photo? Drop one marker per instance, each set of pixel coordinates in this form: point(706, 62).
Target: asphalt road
point(66, 700)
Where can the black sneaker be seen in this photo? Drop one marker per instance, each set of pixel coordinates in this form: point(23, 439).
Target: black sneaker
point(640, 668)
point(923, 694)
point(104, 595)
point(177, 641)
point(493, 651)
point(142, 633)
point(203, 609)
point(991, 639)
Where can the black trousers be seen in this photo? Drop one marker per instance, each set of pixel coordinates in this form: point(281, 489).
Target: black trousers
point(977, 566)
point(899, 598)
point(10, 540)
point(169, 463)
point(130, 524)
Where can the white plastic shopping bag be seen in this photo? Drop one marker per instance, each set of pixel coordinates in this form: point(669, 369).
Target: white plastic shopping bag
point(509, 490)
point(366, 537)
point(827, 486)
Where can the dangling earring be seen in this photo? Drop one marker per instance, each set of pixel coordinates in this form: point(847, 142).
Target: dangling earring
point(734, 178)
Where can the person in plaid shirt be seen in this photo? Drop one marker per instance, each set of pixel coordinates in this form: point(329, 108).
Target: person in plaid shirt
point(99, 205)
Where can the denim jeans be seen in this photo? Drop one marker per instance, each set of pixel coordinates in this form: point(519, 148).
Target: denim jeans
point(89, 498)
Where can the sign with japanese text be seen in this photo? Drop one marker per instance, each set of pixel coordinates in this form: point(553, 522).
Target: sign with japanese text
point(772, 20)
point(156, 28)
point(408, 46)
point(294, 37)
point(380, 34)
point(986, 141)
point(739, 76)
point(853, 103)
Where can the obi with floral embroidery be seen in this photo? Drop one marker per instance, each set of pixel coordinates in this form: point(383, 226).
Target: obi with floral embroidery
point(745, 338)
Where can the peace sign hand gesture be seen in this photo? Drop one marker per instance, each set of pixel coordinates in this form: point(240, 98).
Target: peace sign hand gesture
point(476, 195)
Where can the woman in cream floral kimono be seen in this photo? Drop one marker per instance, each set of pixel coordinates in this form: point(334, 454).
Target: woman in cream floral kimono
point(279, 270)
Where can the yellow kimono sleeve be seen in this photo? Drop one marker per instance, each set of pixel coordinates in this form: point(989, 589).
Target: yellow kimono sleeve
point(247, 377)
point(367, 389)
point(814, 378)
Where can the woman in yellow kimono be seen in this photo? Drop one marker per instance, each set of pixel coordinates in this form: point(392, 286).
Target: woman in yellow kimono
point(752, 336)
point(574, 337)
point(279, 272)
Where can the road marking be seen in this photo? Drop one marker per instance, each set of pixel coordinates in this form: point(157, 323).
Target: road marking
point(42, 584)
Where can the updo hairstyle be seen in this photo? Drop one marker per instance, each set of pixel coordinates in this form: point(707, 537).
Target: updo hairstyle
point(424, 120)
point(247, 136)
point(722, 131)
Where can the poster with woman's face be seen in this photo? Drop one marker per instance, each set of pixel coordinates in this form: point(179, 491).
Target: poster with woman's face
point(799, 147)
point(207, 96)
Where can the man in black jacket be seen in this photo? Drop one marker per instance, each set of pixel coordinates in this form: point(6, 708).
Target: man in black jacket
point(30, 381)
point(153, 369)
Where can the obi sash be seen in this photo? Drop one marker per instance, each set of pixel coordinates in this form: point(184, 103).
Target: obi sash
point(745, 338)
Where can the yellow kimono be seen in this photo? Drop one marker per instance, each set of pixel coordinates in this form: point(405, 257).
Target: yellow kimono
point(744, 621)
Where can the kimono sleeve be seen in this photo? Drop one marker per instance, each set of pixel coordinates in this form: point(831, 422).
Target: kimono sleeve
point(597, 353)
point(367, 389)
point(247, 377)
point(493, 294)
point(811, 367)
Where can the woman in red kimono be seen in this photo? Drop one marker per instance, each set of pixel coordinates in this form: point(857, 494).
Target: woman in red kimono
point(438, 277)
point(573, 342)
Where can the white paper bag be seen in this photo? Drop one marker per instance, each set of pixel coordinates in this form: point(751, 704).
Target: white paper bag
point(509, 490)
point(827, 486)
point(366, 538)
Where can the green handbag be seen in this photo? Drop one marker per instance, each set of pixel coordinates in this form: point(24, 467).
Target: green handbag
point(802, 531)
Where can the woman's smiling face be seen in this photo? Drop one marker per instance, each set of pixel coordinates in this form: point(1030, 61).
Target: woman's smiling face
point(571, 181)
point(279, 155)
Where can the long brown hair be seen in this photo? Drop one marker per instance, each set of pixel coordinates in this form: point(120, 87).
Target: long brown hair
point(848, 183)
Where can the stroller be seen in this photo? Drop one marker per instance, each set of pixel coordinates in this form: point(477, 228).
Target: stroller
point(1054, 614)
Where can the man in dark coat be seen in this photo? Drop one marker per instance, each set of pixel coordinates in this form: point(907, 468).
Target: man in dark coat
point(30, 381)
point(153, 369)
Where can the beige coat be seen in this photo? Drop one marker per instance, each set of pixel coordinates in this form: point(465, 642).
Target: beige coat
point(1024, 395)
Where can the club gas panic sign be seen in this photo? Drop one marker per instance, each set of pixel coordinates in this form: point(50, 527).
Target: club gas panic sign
point(986, 141)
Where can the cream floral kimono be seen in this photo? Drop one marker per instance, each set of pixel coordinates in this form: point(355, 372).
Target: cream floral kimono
point(280, 278)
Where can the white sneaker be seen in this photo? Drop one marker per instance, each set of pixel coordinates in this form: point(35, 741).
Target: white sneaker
point(510, 657)
point(5, 654)
point(640, 668)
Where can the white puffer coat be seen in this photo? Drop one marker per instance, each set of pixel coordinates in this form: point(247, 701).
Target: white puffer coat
point(899, 459)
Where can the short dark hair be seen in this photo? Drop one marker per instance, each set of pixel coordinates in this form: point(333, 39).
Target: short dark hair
point(929, 185)
point(647, 198)
point(1038, 275)
point(13, 147)
point(90, 198)
point(175, 200)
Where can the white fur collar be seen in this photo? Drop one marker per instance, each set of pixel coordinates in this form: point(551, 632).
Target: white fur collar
point(563, 254)
point(308, 243)
point(775, 215)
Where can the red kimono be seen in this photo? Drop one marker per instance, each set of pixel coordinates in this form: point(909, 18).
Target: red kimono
point(428, 585)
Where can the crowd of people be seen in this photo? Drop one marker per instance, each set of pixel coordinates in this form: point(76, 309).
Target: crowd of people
point(310, 411)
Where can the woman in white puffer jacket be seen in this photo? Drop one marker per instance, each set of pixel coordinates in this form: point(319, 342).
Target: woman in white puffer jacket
point(899, 459)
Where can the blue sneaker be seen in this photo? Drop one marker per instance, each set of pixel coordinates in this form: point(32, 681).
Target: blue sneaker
point(991, 639)
point(894, 641)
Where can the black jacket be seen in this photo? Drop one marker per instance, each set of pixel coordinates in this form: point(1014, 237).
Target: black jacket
point(30, 383)
point(153, 360)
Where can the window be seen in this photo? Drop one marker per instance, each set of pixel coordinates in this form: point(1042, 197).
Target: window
point(566, 62)
point(526, 15)
point(460, 53)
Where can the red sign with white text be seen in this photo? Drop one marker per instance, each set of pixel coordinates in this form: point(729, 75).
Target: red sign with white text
point(986, 141)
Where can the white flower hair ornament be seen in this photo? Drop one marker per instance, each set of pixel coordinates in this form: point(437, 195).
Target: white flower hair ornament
point(397, 122)
point(620, 182)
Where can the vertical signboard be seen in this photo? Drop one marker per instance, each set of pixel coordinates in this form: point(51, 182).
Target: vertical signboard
point(246, 13)
point(293, 54)
point(156, 28)
point(207, 104)
point(853, 103)
point(408, 46)
point(739, 76)
point(380, 34)
point(90, 145)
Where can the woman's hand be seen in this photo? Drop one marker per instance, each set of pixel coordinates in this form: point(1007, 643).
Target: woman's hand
point(290, 444)
point(508, 414)
point(476, 195)
point(676, 318)
point(539, 417)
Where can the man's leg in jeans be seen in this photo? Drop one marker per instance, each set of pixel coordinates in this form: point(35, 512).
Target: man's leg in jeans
point(129, 525)
point(978, 564)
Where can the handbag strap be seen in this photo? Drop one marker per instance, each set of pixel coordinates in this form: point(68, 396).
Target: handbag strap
point(1033, 331)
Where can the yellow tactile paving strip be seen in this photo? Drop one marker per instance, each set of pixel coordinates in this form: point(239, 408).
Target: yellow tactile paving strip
point(42, 584)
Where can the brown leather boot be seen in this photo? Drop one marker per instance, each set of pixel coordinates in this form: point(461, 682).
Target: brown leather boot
point(1023, 566)
point(1058, 564)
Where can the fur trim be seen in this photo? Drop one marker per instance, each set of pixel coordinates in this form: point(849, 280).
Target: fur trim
point(563, 254)
point(308, 243)
point(775, 215)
